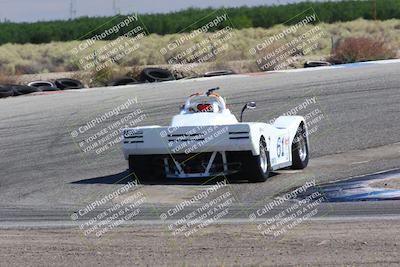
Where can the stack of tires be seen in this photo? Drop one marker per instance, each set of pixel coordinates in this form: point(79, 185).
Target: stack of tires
point(43, 85)
point(218, 73)
point(7, 90)
point(147, 75)
point(316, 63)
point(123, 81)
point(156, 75)
point(65, 83)
point(59, 84)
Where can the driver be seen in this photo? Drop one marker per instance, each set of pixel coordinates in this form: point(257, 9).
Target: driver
point(204, 103)
point(203, 107)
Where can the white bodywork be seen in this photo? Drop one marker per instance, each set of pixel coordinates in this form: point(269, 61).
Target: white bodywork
point(216, 130)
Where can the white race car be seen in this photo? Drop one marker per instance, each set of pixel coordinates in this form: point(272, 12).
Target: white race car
point(205, 140)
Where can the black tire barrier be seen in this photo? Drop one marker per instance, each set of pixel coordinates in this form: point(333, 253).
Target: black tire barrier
point(23, 89)
point(5, 91)
point(48, 88)
point(316, 63)
point(218, 73)
point(122, 81)
point(66, 83)
point(156, 75)
point(39, 84)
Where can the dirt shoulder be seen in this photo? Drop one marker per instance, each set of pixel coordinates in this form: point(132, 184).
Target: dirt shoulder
point(314, 243)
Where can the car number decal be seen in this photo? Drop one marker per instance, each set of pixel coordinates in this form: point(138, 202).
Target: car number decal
point(282, 146)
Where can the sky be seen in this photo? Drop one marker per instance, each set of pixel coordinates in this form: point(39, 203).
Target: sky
point(35, 10)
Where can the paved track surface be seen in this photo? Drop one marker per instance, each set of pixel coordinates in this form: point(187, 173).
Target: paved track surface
point(43, 171)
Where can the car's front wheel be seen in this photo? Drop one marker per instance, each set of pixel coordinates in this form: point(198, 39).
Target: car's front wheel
point(300, 153)
point(259, 166)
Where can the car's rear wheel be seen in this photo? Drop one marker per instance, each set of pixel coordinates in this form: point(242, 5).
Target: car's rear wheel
point(144, 168)
point(300, 153)
point(258, 166)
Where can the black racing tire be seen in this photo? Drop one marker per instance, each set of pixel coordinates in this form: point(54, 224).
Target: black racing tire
point(156, 75)
point(122, 81)
point(137, 167)
point(300, 151)
point(66, 83)
point(145, 168)
point(23, 89)
point(258, 167)
point(218, 73)
point(5, 91)
point(316, 63)
point(48, 88)
point(39, 84)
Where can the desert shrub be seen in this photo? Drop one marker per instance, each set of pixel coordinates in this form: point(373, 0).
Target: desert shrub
point(353, 49)
point(106, 74)
point(133, 71)
point(27, 67)
point(56, 57)
point(103, 76)
point(7, 79)
point(270, 58)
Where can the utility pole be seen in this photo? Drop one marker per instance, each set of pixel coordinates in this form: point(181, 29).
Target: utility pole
point(115, 8)
point(72, 9)
point(374, 9)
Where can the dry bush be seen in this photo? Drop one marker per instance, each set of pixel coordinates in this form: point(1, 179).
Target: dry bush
point(56, 56)
point(7, 79)
point(350, 50)
point(105, 75)
point(95, 78)
point(83, 76)
point(133, 71)
point(269, 58)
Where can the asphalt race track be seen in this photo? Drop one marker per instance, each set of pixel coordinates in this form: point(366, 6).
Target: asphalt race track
point(44, 175)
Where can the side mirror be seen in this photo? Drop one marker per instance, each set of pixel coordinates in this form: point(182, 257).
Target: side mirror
point(249, 105)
